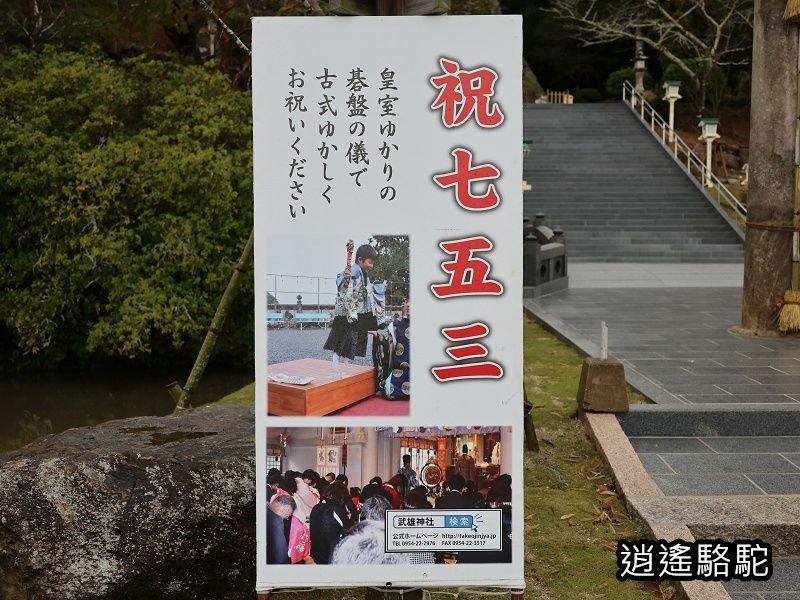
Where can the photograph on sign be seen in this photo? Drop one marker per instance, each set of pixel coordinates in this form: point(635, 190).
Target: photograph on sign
point(437, 495)
point(380, 176)
point(337, 307)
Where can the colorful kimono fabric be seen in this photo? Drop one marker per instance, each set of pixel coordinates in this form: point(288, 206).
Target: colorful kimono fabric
point(398, 384)
point(348, 336)
point(299, 541)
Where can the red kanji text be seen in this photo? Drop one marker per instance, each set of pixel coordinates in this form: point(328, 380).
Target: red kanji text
point(473, 370)
point(464, 176)
point(462, 93)
point(468, 273)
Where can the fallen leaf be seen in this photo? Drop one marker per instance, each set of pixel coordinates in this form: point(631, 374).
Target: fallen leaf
point(563, 517)
point(572, 523)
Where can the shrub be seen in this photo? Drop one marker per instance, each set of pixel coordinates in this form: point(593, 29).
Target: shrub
point(126, 199)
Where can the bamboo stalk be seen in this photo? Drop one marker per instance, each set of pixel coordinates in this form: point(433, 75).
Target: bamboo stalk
point(184, 397)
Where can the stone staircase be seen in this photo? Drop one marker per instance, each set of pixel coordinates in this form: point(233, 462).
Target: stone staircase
point(598, 173)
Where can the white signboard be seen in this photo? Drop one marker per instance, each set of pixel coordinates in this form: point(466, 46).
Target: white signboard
point(388, 167)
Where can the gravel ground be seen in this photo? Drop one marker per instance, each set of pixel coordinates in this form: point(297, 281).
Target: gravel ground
point(287, 344)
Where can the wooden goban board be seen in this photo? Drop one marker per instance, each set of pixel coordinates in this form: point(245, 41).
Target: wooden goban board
point(326, 394)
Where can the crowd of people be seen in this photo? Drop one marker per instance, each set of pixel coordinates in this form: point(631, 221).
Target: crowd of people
point(320, 519)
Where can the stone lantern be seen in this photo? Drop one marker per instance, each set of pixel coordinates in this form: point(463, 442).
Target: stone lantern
point(672, 95)
point(708, 128)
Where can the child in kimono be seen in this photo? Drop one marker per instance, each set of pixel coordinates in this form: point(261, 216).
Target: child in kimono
point(357, 299)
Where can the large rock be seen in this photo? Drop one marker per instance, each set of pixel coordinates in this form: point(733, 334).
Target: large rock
point(150, 507)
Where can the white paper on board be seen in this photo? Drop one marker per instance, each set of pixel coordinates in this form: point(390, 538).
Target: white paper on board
point(314, 191)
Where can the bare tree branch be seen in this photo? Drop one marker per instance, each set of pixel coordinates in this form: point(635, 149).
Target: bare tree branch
point(697, 36)
point(207, 7)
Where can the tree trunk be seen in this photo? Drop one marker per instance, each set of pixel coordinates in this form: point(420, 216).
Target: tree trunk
point(768, 254)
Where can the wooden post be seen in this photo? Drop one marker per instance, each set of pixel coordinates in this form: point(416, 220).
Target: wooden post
point(768, 254)
point(531, 441)
point(603, 340)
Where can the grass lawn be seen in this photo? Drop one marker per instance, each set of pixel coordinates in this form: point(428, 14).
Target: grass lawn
point(573, 517)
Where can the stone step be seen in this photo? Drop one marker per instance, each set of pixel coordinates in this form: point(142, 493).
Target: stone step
point(599, 174)
point(659, 259)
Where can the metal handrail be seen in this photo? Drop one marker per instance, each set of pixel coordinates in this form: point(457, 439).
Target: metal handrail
point(672, 143)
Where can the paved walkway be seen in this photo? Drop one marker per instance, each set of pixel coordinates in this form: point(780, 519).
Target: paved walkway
point(655, 275)
point(782, 585)
point(675, 343)
point(669, 325)
point(722, 465)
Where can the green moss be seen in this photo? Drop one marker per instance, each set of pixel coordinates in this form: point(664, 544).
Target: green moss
point(244, 396)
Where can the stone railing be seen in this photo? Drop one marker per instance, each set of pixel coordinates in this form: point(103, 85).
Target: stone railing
point(687, 158)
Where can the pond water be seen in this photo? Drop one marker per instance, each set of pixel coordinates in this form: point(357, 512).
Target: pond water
point(32, 407)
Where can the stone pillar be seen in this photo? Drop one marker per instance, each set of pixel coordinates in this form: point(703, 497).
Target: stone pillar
point(709, 155)
point(639, 75)
point(506, 450)
point(768, 254)
point(638, 72)
point(369, 456)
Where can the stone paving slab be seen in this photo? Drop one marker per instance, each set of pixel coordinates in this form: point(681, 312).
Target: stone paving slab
point(652, 330)
point(792, 456)
point(749, 371)
point(786, 445)
point(773, 519)
point(766, 388)
point(629, 275)
point(693, 420)
point(710, 511)
point(776, 484)
point(717, 465)
point(654, 464)
point(714, 484)
point(765, 596)
point(668, 444)
point(785, 578)
point(728, 463)
point(739, 399)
